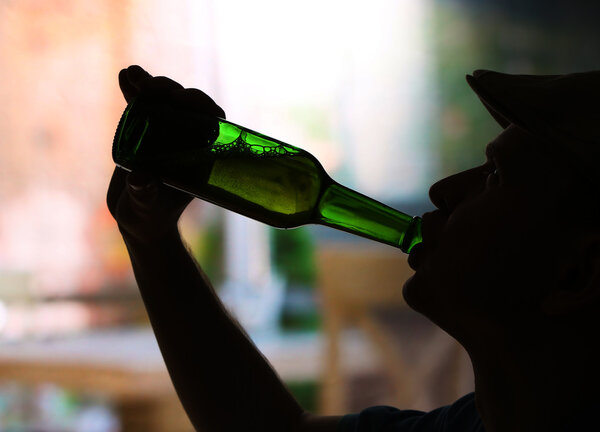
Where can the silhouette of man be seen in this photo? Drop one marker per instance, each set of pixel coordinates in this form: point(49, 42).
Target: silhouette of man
point(509, 266)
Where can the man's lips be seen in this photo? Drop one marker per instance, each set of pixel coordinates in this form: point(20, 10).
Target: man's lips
point(416, 256)
point(432, 223)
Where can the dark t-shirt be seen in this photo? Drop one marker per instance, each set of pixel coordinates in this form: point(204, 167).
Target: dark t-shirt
point(461, 416)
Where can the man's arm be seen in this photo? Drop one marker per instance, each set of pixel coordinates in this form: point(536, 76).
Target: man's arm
point(223, 381)
point(221, 378)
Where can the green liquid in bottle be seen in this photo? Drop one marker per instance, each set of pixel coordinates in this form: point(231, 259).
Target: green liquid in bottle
point(251, 174)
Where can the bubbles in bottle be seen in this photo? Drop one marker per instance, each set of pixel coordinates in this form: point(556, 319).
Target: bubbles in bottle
point(233, 139)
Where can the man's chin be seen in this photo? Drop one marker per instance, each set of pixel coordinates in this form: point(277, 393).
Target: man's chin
point(414, 293)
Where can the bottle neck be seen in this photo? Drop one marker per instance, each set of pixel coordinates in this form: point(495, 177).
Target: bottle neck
point(350, 211)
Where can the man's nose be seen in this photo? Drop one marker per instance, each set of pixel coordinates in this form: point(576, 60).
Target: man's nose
point(447, 193)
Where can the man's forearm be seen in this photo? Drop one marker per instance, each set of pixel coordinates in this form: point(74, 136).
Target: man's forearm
point(222, 380)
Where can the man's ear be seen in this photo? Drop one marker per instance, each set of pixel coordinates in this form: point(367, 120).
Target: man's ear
point(579, 280)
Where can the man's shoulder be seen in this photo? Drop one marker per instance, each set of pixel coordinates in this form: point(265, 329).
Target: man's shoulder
point(460, 416)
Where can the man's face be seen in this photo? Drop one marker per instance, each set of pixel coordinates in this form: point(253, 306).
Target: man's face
point(490, 249)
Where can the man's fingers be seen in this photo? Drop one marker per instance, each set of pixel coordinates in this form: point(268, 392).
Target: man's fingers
point(140, 180)
point(135, 81)
point(159, 85)
point(117, 184)
point(131, 81)
point(127, 88)
point(137, 74)
point(149, 197)
point(143, 188)
point(196, 100)
point(138, 78)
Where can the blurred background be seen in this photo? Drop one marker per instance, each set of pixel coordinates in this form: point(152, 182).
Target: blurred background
point(375, 90)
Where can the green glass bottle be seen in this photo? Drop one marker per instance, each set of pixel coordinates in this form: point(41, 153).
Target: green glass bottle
point(249, 173)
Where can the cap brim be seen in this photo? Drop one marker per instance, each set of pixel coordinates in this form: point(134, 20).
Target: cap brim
point(487, 99)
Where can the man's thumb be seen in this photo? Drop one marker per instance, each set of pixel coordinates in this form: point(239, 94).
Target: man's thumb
point(141, 182)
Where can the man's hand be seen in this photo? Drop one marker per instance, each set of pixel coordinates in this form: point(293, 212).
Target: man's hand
point(222, 380)
point(144, 208)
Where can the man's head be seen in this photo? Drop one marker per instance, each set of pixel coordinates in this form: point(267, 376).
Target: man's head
point(514, 247)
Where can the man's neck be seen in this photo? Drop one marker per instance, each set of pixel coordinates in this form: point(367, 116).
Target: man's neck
point(529, 389)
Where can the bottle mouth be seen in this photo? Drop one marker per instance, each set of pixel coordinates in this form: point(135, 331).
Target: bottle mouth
point(412, 236)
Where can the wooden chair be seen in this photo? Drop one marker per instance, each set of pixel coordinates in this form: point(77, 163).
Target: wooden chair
point(356, 283)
